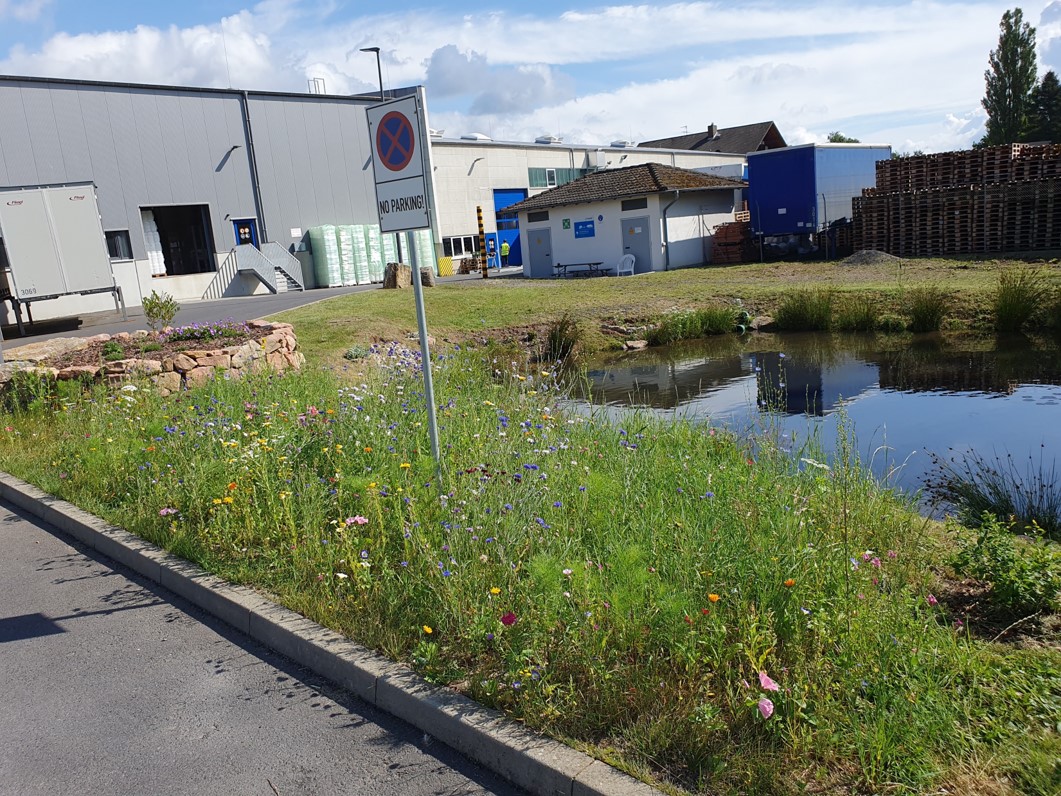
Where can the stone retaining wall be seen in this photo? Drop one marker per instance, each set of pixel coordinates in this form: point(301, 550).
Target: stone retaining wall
point(276, 349)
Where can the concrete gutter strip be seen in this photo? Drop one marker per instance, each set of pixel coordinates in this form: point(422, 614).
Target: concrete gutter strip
point(537, 764)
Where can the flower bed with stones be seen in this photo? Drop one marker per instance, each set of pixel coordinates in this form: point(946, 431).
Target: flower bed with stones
point(176, 365)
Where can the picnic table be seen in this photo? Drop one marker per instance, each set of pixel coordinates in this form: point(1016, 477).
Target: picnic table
point(581, 269)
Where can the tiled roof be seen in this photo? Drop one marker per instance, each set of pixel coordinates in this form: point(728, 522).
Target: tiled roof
point(740, 140)
point(640, 180)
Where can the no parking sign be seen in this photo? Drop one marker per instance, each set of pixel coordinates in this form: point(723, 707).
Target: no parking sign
point(398, 165)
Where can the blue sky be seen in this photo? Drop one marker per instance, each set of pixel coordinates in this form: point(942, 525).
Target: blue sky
point(903, 72)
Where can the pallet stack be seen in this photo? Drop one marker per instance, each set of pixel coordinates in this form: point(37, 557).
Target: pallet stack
point(995, 200)
point(731, 243)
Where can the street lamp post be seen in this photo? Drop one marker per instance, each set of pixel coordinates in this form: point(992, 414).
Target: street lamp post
point(379, 69)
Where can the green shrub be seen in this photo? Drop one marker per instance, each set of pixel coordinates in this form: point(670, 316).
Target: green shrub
point(151, 346)
point(160, 310)
point(891, 324)
point(926, 307)
point(857, 314)
point(1024, 575)
point(806, 311)
point(692, 325)
point(356, 352)
point(112, 351)
point(1020, 298)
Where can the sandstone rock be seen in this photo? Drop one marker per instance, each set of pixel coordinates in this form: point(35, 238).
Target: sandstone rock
point(78, 372)
point(212, 359)
point(636, 345)
point(183, 363)
point(272, 342)
point(167, 383)
point(277, 361)
point(198, 376)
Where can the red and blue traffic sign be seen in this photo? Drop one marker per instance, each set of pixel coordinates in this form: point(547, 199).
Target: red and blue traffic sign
point(395, 141)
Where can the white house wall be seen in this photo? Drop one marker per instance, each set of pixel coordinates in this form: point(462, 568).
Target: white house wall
point(691, 225)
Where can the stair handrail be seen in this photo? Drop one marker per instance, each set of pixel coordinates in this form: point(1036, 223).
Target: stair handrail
point(250, 260)
point(281, 258)
point(225, 274)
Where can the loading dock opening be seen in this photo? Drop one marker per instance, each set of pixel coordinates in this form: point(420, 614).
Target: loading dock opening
point(185, 238)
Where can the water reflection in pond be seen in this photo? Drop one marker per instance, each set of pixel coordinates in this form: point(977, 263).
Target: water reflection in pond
point(994, 396)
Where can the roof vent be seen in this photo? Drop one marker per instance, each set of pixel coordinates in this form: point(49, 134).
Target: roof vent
point(548, 139)
point(433, 133)
point(476, 137)
point(622, 144)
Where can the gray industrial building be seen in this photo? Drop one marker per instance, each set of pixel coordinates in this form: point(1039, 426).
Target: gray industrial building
point(183, 175)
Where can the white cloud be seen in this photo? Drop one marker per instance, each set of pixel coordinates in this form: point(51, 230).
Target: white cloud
point(25, 11)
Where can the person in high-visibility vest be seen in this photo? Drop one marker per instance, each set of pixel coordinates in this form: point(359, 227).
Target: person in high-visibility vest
point(504, 253)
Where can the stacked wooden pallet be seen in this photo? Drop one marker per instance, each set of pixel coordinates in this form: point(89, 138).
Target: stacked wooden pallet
point(1000, 199)
point(731, 243)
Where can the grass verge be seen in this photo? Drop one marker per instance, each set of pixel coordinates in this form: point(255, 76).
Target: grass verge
point(697, 608)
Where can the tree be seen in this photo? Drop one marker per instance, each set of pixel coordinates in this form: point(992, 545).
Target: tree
point(837, 137)
point(1010, 81)
point(1045, 122)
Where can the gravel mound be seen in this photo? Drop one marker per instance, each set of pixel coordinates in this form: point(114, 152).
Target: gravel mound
point(870, 257)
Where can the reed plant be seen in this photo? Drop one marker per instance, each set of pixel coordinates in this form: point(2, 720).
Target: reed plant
point(805, 311)
point(693, 324)
point(1020, 298)
point(697, 607)
point(857, 313)
point(563, 338)
point(926, 305)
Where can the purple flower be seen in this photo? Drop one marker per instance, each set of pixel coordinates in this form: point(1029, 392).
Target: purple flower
point(508, 619)
point(932, 599)
point(766, 708)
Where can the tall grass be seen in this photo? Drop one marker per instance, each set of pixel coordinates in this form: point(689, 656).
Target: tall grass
point(563, 338)
point(805, 311)
point(974, 486)
point(926, 305)
point(688, 603)
point(1020, 298)
point(856, 313)
point(691, 325)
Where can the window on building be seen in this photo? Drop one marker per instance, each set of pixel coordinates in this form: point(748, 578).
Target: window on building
point(460, 245)
point(537, 215)
point(635, 204)
point(119, 247)
point(550, 178)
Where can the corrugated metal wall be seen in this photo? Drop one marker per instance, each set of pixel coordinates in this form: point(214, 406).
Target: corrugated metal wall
point(146, 146)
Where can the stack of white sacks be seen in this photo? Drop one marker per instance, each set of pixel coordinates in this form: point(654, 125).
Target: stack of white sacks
point(153, 242)
point(357, 254)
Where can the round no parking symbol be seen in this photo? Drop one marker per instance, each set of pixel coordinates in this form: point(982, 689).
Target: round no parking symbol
point(395, 141)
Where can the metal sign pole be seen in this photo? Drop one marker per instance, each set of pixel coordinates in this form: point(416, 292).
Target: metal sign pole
point(425, 354)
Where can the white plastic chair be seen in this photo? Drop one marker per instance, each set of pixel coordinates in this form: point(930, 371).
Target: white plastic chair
point(625, 265)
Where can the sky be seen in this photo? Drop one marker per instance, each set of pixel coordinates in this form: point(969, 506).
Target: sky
point(909, 73)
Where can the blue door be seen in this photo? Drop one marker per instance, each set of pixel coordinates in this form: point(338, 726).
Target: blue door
point(508, 223)
point(246, 230)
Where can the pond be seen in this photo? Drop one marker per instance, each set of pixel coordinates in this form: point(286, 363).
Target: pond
point(906, 400)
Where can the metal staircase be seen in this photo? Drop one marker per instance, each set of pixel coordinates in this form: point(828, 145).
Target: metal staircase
point(273, 265)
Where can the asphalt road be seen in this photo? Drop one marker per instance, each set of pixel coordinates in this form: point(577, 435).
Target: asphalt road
point(114, 686)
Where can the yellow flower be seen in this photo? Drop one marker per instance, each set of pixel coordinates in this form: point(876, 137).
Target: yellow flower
point(338, 447)
point(713, 597)
point(226, 499)
point(368, 449)
point(489, 403)
point(495, 590)
point(405, 465)
point(217, 501)
point(428, 630)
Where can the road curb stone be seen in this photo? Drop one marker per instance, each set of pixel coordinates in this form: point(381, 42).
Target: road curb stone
point(535, 763)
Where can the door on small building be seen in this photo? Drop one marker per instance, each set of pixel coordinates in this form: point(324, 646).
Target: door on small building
point(246, 230)
point(637, 241)
point(540, 252)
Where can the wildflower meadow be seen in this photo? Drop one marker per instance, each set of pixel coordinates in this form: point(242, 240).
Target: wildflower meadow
point(710, 613)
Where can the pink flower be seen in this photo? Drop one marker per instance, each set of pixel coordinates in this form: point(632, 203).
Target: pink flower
point(508, 619)
point(875, 562)
point(766, 683)
point(766, 708)
point(358, 520)
point(932, 599)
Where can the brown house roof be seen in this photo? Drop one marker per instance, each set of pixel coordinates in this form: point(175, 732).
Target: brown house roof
point(741, 140)
point(645, 178)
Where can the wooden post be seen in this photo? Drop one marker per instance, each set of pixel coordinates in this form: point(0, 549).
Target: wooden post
point(482, 242)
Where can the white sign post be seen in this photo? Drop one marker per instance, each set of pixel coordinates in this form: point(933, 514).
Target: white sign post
point(398, 132)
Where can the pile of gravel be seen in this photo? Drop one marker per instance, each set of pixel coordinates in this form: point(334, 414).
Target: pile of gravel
point(870, 257)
